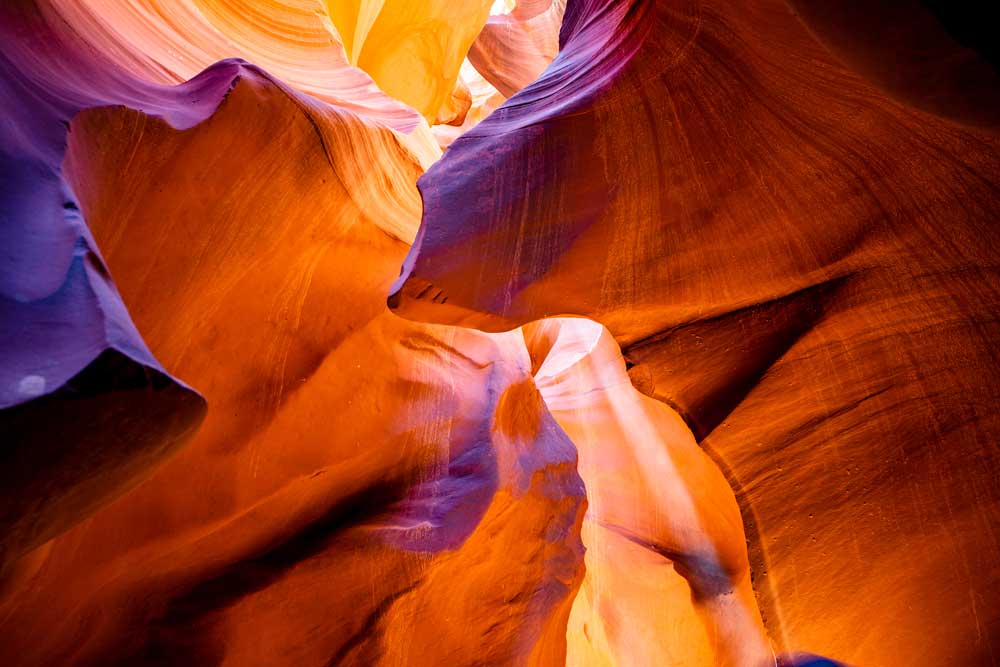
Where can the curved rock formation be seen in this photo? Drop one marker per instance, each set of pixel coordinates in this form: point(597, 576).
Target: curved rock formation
point(783, 212)
point(66, 333)
point(804, 268)
point(659, 511)
point(484, 99)
point(172, 41)
point(414, 50)
point(359, 479)
point(514, 48)
point(85, 409)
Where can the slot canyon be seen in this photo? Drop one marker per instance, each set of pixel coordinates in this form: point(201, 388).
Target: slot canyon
point(475, 333)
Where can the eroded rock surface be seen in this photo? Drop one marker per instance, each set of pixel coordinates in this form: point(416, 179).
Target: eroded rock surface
point(361, 482)
point(783, 213)
point(800, 265)
point(668, 581)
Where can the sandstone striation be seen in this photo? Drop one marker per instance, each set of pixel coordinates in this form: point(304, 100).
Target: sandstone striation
point(799, 264)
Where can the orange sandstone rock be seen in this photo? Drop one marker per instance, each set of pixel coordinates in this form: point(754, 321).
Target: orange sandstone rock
point(802, 266)
point(364, 490)
point(664, 536)
point(413, 50)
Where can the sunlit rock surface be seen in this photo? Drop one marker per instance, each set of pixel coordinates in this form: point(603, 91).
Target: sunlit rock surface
point(663, 531)
point(779, 218)
point(514, 48)
point(359, 480)
point(801, 266)
point(62, 319)
point(484, 99)
point(412, 48)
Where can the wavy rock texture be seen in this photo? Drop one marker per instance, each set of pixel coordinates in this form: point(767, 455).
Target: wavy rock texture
point(785, 220)
point(73, 363)
point(359, 480)
point(86, 409)
point(663, 528)
point(803, 267)
point(938, 56)
point(171, 42)
point(514, 48)
point(413, 49)
point(294, 40)
point(66, 334)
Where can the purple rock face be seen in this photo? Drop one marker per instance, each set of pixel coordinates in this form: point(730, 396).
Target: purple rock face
point(85, 410)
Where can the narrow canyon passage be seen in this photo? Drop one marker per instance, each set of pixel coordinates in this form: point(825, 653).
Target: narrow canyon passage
point(663, 532)
point(597, 333)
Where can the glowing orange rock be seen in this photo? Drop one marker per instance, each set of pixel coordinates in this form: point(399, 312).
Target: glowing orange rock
point(170, 41)
point(413, 50)
point(360, 481)
point(803, 267)
point(484, 99)
point(658, 510)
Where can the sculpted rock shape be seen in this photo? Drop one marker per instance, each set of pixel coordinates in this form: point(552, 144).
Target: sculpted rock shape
point(72, 364)
point(172, 41)
point(360, 481)
point(66, 333)
point(804, 268)
point(294, 40)
point(484, 99)
point(660, 514)
point(414, 50)
point(514, 48)
point(798, 260)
